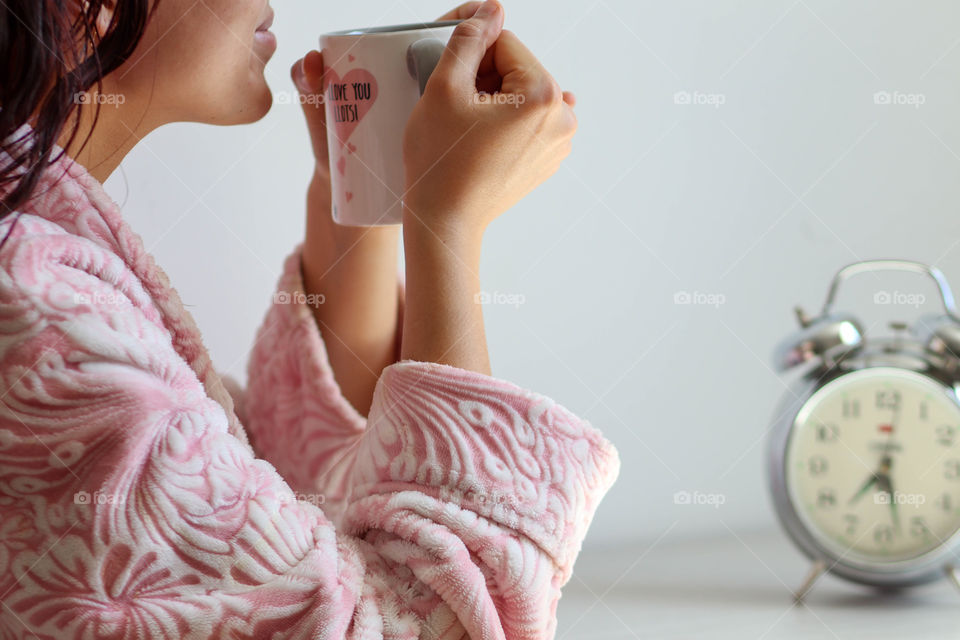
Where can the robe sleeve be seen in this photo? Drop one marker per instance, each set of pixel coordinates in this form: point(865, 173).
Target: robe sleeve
point(130, 511)
point(292, 408)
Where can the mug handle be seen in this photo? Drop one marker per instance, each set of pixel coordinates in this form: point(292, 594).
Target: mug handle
point(422, 58)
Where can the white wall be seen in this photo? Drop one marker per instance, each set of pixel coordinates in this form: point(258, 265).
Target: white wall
point(760, 200)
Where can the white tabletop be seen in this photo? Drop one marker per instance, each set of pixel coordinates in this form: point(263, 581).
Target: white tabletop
point(738, 586)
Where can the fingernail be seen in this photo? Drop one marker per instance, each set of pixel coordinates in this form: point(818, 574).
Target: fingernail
point(300, 77)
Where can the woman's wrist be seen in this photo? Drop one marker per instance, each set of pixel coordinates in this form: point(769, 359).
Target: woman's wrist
point(461, 249)
point(321, 172)
point(429, 224)
point(337, 239)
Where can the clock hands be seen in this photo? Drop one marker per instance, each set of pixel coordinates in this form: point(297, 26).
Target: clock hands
point(885, 483)
point(884, 480)
point(872, 480)
point(881, 480)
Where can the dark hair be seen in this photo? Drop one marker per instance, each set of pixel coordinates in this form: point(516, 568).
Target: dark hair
point(53, 53)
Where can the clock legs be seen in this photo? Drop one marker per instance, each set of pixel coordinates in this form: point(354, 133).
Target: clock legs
point(819, 567)
point(816, 570)
point(951, 572)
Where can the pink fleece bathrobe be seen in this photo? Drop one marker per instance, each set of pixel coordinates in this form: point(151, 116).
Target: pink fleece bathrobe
point(139, 500)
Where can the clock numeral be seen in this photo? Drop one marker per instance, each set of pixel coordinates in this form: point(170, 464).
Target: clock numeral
point(923, 410)
point(826, 498)
point(883, 534)
point(828, 432)
point(945, 502)
point(888, 399)
point(851, 408)
point(852, 522)
point(946, 435)
point(818, 465)
point(951, 469)
point(918, 527)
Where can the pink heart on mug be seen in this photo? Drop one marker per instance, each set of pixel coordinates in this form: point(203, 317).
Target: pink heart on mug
point(352, 147)
point(342, 165)
point(349, 99)
point(351, 57)
point(349, 196)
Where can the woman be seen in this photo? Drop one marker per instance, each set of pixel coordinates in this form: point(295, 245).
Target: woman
point(137, 498)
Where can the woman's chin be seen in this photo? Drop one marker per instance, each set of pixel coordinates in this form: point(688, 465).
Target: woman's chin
point(254, 104)
point(261, 107)
point(245, 99)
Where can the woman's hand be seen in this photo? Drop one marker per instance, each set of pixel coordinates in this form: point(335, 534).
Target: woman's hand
point(470, 156)
point(491, 126)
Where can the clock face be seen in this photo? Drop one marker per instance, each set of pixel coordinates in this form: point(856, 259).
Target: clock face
point(873, 465)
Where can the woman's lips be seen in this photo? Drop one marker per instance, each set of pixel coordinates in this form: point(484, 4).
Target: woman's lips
point(266, 24)
point(263, 36)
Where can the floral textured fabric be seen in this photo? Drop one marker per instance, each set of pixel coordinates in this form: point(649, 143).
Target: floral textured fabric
point(140, 500)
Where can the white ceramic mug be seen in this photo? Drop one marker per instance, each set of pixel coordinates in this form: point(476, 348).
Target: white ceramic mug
point(374, 78)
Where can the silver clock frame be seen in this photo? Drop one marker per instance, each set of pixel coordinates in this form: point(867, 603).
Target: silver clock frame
point(828, 347)
point(921, 569)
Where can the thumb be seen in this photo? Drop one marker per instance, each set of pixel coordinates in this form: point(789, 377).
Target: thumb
point(460, 61)
point(308, 74)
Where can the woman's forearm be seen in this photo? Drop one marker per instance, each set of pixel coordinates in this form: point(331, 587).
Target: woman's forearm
point(443, 318)
point(355, 270)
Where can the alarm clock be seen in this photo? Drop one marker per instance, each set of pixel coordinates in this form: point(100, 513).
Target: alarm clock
point(864, 452)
